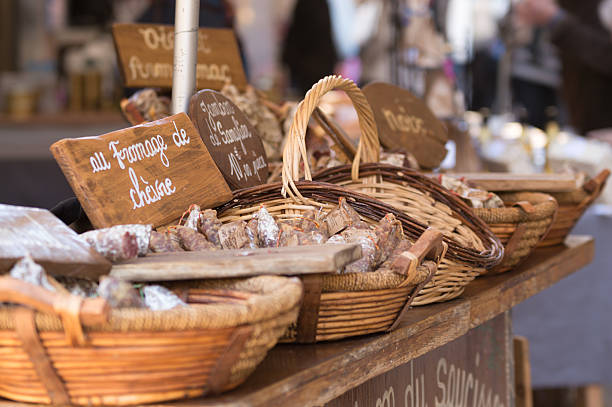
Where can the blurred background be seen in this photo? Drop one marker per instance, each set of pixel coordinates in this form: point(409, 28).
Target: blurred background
point(524, 87)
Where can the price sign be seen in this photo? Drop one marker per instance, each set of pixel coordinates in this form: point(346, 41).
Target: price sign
point(232, 141)
point(146, 54)
point(143, 174)
point(404, 122)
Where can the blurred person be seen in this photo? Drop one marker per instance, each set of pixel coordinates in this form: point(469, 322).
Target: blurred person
point(309, 51)
point(581, 31)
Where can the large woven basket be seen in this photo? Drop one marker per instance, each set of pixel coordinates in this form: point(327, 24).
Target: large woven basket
point(520, 225)
point(472, 247)
point(61, 349)
point(572, 205)
point(337, 306)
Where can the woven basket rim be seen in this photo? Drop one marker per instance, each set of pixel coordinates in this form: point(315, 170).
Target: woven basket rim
point(274, 295)
point(367, 207)
point(544, 204)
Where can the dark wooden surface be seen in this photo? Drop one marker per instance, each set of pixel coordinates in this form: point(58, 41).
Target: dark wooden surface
point(312, 375)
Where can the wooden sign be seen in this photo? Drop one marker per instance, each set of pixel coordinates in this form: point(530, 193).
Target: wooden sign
point(149, 173)
point(52, 244)
point(473, 370)
point(230, 138)
point(146, 54)
point(238, 263)
point(405, 123)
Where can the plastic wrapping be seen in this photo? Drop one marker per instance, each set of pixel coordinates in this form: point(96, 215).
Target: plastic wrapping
point(235, 235)
point(158, 298)
point(115, 243)
point(142, 233)
point(30, 272)
point(267, 229)
point(193, 218)
point(341, 217)
point(367, 239)
point(163, 243)
point(476, 198)
point(119, 293)
point(389, 234)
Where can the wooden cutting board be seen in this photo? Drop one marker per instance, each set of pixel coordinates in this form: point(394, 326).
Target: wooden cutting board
point(501, 181)
point(148, 173)
point(48, 241)
point(238, 263)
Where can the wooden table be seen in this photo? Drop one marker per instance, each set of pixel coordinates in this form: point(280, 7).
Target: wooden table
point(350, 370)
point(441, 355)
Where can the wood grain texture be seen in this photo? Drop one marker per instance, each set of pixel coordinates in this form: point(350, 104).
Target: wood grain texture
point(405, 122)
point(312, 375)
point(238, 263)
point(502, 181)
point(522, 372)
point(146, 53)
point(148, 173)
point(48, 241)
point(231, 139)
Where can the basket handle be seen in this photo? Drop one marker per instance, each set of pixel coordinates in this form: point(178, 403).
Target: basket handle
point(73, 310)
point(429, 246)
point(295, 147)
point(597, 183)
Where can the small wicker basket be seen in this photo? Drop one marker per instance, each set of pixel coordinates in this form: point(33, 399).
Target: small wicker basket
point(61, 349)
point(337, 306)
point(520, 225)
point(571, 207)
point(424, 203)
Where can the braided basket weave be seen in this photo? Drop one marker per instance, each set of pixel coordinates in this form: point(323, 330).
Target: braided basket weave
point(424, 203)
point(337, 306)
point(77, 351)
point(571, 207)
point(521, 225)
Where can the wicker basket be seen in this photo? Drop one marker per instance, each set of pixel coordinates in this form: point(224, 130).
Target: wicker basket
point(337, 306)
point(571, 207)
point(424, 203)
point(521, 225)
point(68, 350)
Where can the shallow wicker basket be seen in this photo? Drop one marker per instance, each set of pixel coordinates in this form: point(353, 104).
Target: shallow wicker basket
point(77, 351)
point(572, 205)
point(520, 225)
point(472, 247)
point(337, 306)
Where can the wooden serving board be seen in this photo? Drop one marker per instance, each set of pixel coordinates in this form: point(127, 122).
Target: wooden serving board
point(149, 173)
point(146, 53)
point(238, 263)
point(501, 181)
point(48, 241)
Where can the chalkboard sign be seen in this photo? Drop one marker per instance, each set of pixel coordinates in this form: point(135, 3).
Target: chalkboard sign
point(230, 138)
point(143, 174)
point(404, 122)
point(146, 55)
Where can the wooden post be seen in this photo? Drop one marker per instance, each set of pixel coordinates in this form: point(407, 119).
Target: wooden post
point(522, 373)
